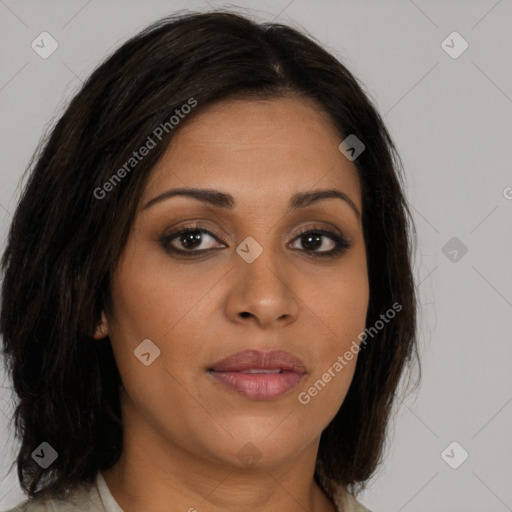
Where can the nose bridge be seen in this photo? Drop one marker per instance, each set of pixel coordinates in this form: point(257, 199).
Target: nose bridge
point(263, 287)
point(260, 264)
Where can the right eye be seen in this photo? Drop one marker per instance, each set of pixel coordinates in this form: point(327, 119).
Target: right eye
point(189, 241)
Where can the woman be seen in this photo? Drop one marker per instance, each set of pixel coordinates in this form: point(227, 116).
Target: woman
point(208, 300)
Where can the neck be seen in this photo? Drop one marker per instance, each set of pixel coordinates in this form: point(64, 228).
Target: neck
point(151, 479)
point(155, 473)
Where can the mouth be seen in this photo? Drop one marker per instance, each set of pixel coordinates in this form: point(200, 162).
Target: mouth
point(261, 376)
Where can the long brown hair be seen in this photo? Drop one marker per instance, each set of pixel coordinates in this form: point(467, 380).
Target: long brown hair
point(65, 241)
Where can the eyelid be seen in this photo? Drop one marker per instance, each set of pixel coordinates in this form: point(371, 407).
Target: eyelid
point(200, 226)
point(192, 225)
point(331, 227)
point(341, 241)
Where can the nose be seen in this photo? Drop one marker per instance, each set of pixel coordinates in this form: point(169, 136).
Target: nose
point(262, 292)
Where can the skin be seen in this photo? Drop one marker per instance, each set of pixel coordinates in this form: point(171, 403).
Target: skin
point(183, 429)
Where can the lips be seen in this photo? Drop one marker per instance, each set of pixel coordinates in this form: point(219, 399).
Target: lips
point(259, 375)
point(255, 359)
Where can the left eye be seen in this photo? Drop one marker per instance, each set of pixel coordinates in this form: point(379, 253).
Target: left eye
point(314, 240)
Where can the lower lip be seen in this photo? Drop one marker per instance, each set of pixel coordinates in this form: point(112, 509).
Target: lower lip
point(259, 386)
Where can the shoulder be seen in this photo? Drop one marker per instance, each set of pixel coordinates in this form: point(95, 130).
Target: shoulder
point(52, 505)
point(82, 499)
point(342, 499)
point(350, 504)
point(346, 502)
point(37, 505)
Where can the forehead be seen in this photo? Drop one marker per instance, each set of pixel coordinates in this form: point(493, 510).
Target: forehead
point(257, 148)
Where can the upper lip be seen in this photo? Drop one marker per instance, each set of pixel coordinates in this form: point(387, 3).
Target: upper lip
point(256, 359)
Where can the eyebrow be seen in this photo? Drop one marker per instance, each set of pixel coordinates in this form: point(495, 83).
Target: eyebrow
point(227, 201)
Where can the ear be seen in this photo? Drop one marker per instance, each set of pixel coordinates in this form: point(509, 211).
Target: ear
point(102, 328)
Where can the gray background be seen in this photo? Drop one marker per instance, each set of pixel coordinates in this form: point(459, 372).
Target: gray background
point(450, 118)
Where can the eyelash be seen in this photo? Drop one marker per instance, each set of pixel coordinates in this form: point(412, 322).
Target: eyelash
point(342, 244)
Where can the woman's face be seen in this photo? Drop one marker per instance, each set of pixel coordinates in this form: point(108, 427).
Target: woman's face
point(244, 279)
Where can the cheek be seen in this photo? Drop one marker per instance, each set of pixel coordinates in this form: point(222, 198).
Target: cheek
point(324, 394)
point(152, 297)
point(350, 295)
point(148, 307)
point(154, 301)
point(325, 389)
point(337, 303)
point(340, 316)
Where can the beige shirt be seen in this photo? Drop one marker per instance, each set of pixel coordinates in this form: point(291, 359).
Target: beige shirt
point(97, 498)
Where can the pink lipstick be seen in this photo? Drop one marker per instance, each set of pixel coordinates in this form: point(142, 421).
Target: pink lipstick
point(259, 375)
